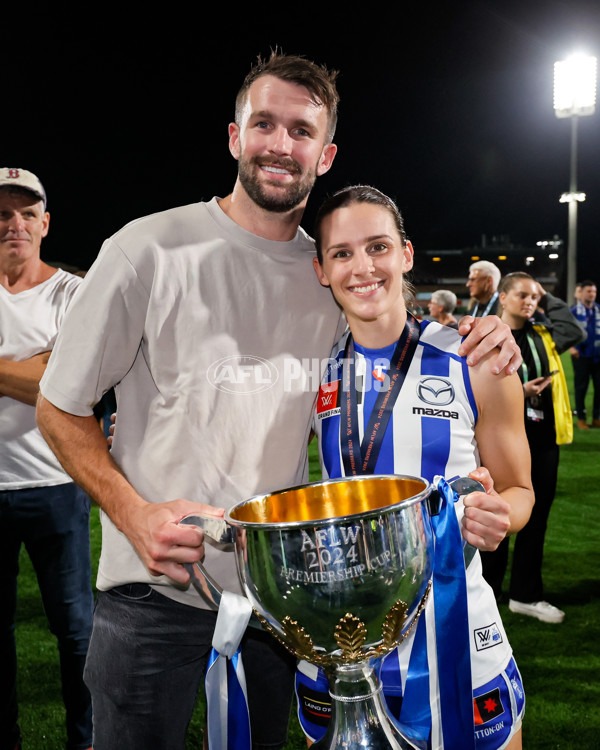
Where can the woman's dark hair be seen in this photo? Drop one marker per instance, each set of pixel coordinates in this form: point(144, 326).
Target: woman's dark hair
point(356, 194)
point(362, 194)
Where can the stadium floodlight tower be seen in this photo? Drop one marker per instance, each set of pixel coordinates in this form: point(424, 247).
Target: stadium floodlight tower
point(574, 97)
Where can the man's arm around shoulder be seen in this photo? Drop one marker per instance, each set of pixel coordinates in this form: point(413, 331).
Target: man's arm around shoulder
point(484, 335)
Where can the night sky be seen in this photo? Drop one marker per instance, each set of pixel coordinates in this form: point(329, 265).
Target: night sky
point(449, 111)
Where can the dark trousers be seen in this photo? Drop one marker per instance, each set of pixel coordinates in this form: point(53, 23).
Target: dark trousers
point(146, 663)
point(584, 370)
point(53, 524)
point(528, 553)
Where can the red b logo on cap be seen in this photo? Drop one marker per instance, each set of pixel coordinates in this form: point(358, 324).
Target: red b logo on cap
point(14, 173)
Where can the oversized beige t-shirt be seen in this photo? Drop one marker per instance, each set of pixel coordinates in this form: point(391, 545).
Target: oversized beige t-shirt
point(215, 341)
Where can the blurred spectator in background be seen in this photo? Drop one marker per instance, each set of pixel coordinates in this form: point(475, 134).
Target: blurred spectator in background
point(482, 284)
point(586, 356)
point(548, 424)
point(40, 506)
point(441, 307)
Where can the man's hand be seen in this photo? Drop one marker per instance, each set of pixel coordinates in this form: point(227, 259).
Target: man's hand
point(152, 528)
point(485, 334)
point(163, 545)
point(487, 516)
point(574, 352)
point(111, 429)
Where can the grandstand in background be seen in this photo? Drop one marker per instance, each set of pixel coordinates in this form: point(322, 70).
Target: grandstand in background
point(448, 269)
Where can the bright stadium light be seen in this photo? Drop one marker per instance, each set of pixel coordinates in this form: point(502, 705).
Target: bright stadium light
point(568, 197)
point(574, 97)
point(575, 86)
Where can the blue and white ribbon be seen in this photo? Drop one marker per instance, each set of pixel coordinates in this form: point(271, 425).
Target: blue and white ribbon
point(452, 640)
point(227, 716)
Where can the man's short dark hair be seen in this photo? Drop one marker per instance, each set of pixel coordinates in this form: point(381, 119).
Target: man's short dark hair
point(586, 282)
point(317, 79)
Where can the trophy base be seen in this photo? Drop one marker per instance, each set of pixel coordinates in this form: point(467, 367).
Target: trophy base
point(359, 718)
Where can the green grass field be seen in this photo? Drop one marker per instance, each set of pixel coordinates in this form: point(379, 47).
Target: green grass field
point(560, 664)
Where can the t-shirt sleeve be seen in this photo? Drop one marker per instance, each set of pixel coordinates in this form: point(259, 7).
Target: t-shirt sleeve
point(70, 285)
point(100, 334)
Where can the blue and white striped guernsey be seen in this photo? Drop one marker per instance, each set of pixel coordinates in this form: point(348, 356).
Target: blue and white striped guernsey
point(431, 433)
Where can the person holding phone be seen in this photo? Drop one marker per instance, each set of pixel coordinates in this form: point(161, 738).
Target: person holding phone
point(548, 423)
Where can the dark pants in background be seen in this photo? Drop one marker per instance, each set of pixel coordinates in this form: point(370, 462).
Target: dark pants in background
point(526, 574)
point(53, 524)
point(584, 370)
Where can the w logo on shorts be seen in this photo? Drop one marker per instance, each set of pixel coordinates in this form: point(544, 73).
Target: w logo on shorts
point(487, 637)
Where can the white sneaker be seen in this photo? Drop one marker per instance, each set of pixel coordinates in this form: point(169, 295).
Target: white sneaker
point(544, 611)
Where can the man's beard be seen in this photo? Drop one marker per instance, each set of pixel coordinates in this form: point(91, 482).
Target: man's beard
point(284, 197)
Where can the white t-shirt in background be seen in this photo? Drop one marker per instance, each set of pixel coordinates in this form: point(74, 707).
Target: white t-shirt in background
point(29, 324)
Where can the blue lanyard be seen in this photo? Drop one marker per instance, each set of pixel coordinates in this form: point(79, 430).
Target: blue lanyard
point(487, 309)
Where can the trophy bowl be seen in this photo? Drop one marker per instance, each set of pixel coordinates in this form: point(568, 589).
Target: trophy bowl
point(338, 571)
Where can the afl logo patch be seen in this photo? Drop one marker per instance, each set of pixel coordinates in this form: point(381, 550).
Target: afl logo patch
point(435, 391)
point(242, 374)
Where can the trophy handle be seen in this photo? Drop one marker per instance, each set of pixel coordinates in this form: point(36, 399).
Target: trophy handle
point(220, 532)
point(464, 486)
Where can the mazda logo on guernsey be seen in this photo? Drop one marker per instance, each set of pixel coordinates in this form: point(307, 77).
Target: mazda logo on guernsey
point(435, 391)
point(242, 374)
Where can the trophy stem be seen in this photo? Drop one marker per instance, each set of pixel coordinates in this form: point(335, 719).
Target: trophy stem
point(359, 716)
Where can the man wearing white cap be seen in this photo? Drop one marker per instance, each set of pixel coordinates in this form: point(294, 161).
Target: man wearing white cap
point(40, 506)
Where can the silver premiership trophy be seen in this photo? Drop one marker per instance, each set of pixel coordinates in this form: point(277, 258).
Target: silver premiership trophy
point(338, 571)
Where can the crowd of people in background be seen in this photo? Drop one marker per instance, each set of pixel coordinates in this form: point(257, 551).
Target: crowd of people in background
point(544, 327)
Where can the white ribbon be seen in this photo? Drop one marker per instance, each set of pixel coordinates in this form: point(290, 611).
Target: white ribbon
point(226, 663)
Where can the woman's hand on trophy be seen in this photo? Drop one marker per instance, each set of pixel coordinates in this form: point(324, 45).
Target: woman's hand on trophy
point(487, 515)
point(482, 335)
point(164, 546)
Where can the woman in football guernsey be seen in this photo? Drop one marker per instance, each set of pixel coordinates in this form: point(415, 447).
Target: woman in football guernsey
point(441, 418)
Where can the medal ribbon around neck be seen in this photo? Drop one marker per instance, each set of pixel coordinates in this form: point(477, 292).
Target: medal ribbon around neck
point(361, 458)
